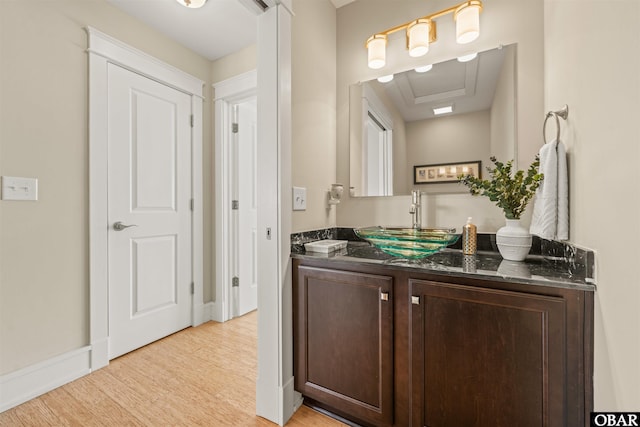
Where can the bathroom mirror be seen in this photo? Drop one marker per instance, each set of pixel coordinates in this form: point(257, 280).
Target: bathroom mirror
point(393, 126)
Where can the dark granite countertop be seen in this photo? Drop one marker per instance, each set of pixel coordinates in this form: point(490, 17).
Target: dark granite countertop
point(536, 269)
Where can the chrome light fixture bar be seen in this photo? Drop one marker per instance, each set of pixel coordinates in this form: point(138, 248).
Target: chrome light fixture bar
point(422, 31)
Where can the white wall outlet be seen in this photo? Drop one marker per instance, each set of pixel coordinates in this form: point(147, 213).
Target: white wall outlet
point(299, 198)
point(16, 188)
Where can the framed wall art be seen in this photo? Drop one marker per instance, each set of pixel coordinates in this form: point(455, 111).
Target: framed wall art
point(445, 172)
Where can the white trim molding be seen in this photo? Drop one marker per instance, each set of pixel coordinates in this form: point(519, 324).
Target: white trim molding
point(275, 398)
point(226, 92)
point(116, 52)
point(208, 312)
point(33, 381)
point(104, 50)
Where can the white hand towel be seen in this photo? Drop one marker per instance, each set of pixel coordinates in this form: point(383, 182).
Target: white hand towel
point(550, 218)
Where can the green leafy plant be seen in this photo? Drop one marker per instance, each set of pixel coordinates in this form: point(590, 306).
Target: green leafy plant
point(510, 192)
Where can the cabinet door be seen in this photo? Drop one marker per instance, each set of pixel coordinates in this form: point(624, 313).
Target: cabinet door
point(343, 329)
point(484, 357)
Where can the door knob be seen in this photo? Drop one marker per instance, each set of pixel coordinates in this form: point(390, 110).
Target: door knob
point(119, 226)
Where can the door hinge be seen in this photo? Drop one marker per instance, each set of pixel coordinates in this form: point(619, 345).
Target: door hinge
point(235, 282)
point(235, 205)
point(192, 120)
point(192, 204)
point(234, 127)
point(193, 288)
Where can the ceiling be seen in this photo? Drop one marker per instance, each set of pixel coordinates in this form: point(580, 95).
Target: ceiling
point(217, 29)
point(468, 86)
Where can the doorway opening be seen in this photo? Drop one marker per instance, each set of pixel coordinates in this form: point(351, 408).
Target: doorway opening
point(236, 197)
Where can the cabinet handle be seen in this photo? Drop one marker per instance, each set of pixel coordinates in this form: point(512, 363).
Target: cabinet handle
point(415, 300)
point(384, 296)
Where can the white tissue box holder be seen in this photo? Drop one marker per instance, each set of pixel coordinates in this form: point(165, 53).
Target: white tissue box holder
point(325, 246)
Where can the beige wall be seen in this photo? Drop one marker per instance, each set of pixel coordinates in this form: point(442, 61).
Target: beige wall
point(44, 289)
point(502, 22)
point(597, 73)
point(313, 103)
point(234, 64)
point(466, 137)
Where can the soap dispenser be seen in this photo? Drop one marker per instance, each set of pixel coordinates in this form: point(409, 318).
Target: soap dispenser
point(469, 238)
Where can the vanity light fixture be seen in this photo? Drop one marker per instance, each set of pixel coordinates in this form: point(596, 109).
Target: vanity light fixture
point(385, 79)
point(377, 51)
point(422, 31)
point(468, 57)
point(443, 110)
point(192, 4)
point(418, 37)
point(423, 69)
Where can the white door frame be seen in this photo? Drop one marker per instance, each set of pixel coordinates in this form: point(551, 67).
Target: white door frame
point(226, 93)
point(102, 50)
point(276, 399)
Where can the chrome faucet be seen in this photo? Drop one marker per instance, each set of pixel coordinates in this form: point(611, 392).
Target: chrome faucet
point(415, 211)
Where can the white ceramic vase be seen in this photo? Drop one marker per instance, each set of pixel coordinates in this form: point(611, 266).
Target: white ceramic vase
point(513, 240)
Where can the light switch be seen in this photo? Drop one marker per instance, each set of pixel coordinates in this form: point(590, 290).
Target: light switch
point(16, 188)
point(299, 198)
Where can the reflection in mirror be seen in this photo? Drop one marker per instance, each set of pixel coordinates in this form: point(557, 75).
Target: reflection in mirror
point(394, 126)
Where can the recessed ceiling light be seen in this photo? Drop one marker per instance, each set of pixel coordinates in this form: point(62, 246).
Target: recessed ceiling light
point(385, 79)
point(443, 110)
point(424, 69)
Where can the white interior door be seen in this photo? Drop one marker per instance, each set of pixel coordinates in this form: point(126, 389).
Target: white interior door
point(149, 190)
point(245, 291)
point(377, 158)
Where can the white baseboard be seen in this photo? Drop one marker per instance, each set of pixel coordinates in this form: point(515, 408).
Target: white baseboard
point(216, 312)
point(292, 399)
point(279, 402)
point(99, 353)
point(33, 381)
point(208, 312)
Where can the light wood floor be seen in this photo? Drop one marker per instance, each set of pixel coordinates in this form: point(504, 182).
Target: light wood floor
point(202, 376)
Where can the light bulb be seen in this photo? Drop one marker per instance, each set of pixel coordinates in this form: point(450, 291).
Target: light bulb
point(467, 58)
point(418, 37)
point(376, 49)
point(423, 69)
point(192, 4)
point(468, 22)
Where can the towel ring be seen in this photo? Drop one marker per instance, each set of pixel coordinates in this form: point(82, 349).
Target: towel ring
point(564, 113)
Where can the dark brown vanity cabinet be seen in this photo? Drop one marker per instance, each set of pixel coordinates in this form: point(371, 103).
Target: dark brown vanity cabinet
point(486, 357)
point(343, 341)
point(450, 350)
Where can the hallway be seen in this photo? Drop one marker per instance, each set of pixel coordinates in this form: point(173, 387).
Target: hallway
point(203, 376)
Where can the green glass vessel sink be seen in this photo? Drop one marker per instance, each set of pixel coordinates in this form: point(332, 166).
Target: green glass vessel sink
point(406, 242)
